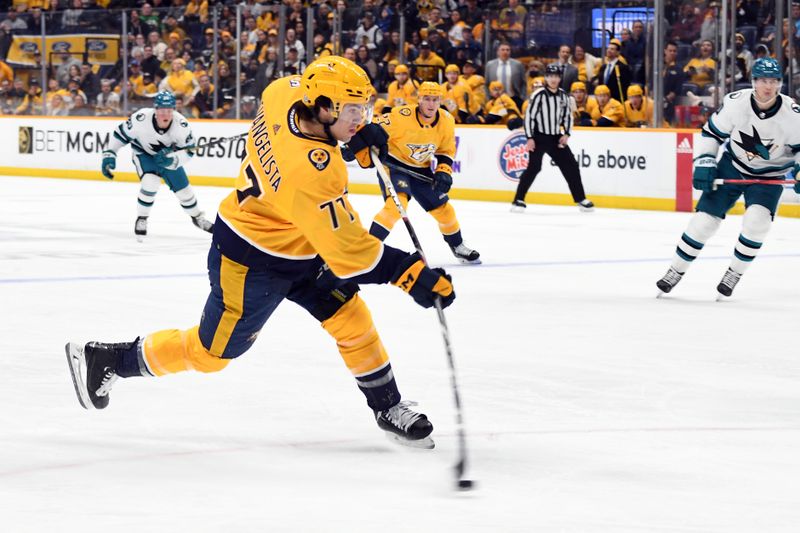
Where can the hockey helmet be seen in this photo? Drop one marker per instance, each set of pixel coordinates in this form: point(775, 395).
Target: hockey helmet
point(552, 69)
point(338, 79)
point(577, 86)
point(635, 90)
point(164, 99)
point(429, 88)
point(767, 67)
point(452, 68)
point(602, 89)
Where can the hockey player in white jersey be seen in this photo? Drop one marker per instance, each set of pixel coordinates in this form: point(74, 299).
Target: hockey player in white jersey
point(757, 132)
point(162, 143)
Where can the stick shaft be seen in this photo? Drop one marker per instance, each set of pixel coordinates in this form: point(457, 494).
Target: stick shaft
point(753, 182)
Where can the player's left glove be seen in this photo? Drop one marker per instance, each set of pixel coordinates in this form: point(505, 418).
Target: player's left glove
point(422, 283)
point(442, 178)
point(165, 160)
point(704, 174)
point(365, 138)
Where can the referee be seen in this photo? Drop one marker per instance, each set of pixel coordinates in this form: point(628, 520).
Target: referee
point(548, 122)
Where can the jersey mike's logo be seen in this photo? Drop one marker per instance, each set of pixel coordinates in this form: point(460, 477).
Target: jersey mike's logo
point(25, 140)
point(754, 146)
point(513, 157)
point(319, 158)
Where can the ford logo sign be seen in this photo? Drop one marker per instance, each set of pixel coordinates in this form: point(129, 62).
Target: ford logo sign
point(29, 48)
point(97, 46)
point(61, 46)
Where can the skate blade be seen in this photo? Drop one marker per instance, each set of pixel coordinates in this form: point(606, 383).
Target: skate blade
point(140, 238)
point(721, 297)
point(77, 368)
point(586, 209)
point(464, 261)
point(517, 209)
point(425, 444)
point(660, 294)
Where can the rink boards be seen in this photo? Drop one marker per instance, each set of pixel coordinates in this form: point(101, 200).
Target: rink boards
point(622, 168)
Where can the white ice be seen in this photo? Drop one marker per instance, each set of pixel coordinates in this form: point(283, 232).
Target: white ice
point(590, 405)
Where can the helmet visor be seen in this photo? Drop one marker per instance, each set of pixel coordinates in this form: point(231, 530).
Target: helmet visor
point(353, 113)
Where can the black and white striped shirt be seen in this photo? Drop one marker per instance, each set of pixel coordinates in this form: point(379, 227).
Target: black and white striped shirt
point(548, 113)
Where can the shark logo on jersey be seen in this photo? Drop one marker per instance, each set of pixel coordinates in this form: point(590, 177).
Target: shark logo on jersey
point(754, 146)
point(157, 147)
point(421, 152)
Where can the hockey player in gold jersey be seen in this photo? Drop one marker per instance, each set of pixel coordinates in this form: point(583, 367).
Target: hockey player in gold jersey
point(458, 98)
point(416, 135)
point(288, 231)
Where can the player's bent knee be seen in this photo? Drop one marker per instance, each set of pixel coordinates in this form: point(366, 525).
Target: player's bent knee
point(150, 182)
point(356, 337)
point(757, 221)
point(187, 193)
point(445, 215)
point(170, 351)
point(703, 225)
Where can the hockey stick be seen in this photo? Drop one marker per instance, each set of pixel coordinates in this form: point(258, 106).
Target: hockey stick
point(417, 175)
point(212, 143)
point(461, 464)
point(754, 182)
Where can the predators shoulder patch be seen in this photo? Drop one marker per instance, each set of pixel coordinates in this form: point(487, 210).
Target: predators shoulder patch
point(319, 158)
point(406, 112)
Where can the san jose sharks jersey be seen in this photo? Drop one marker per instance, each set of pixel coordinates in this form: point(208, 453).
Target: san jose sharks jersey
point(761, 143)
point(413, 142)
point(145, 137)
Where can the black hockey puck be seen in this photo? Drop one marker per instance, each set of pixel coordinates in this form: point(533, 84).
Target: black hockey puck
point(465, 484)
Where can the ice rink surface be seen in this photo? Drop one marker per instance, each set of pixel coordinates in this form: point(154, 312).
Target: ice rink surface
point(591, 406)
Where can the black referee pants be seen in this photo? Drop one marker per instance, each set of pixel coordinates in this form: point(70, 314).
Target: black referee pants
point(562, 157)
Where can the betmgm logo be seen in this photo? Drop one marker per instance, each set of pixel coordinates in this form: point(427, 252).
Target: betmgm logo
point(25, 139)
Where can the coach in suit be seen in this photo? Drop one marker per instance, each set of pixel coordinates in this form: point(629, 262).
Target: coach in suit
point(569, 73)
point(615, 72)
point(509, 71)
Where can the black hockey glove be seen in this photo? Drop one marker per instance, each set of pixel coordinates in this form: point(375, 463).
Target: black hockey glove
point(365, 138)
point(514, 123)
point(442, 178)
point(422, 283)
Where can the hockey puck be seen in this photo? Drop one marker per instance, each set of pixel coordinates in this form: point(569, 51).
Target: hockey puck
point(465, 484)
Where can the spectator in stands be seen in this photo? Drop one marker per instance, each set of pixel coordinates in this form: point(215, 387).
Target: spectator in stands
point(635, 50)
point(615, 72)
point(475, 82)
point(369, 34)
point(508, 71)
point(90, 83)
point(70, 17)
point(150, 62)
point(169, 57)
point(249, 107)
point(350, 53)
point(402, 91)
point(150, 18)
point(365, 61)
point(294, 65)
point(107, 103)
point(138, 45)
point(514, 10)
point(569, 73)
point(79, 105)
point(673, 80)
point(457, 28)
point(587, 65)
point(701, 70)
point(136, 79)
point(471, 13)
point(32, 103)
point(322, 48)
point(180, 81)
point(196, 11)
point(293, 42)
point(610, 112)
point(14, 23)
point(500, 109)
point(267, 70)
point(13, 95)
point(472, 49)
point(63, 70)
point(135, 25)
point(428, 64)
point(203, 102)
point(687, 28)
point(585, 107)
point(159, 47)
point(296, 15)
point(744, 54)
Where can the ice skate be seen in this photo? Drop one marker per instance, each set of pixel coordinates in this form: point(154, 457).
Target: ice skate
point(668, 282)
point(466, 255)
point(518, 206)
point(728, 283)
point(140, 228)
point(586, 206)
point(93, 368)
point(406, 427)
point(201, 222)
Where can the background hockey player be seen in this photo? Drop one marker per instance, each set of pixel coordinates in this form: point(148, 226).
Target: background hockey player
point(162, 143)
point(758, 132)
point(417, 134)
point(288, 220)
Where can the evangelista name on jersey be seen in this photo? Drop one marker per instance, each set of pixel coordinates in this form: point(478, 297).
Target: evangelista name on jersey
point(145, 137)
point(760, 142)
point(264, 150)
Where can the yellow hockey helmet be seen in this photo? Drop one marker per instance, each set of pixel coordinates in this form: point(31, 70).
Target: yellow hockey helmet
point(496, 85)
point(452, 68)
point(602, 89)
point(429, 88)
point(338, 79)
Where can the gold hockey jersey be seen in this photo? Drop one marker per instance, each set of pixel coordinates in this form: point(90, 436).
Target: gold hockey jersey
point(413, 142)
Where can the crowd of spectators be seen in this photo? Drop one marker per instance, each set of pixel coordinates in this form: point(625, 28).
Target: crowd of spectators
point(171, 47)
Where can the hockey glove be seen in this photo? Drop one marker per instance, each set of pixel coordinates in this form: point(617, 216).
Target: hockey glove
point(796, 172)
point(165, 160)
point(704, 174)
point(422, 283)
point(109, 164)
point(365, 138)
point(442, 180)
point(514, 123)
